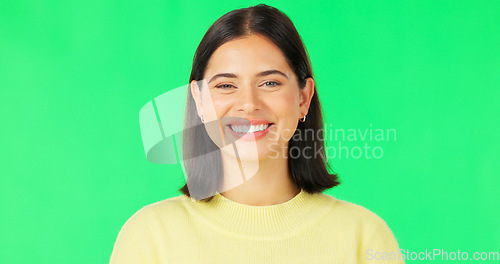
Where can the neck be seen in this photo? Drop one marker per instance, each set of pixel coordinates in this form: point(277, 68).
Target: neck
point(257, 182)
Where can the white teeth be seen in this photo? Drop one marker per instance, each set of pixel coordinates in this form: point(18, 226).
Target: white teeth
point(249, 129)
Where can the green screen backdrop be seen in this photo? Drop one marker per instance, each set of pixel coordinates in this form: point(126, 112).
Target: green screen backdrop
point(74, 75)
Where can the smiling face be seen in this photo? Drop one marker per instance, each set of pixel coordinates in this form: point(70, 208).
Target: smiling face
point(253, 93)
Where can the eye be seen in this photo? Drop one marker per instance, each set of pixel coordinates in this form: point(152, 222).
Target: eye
point(272, 84)
point(224, 86)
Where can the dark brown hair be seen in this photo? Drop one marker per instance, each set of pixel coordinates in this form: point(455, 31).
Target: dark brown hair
point(309, 174)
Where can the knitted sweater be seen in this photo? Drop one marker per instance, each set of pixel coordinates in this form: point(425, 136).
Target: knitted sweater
point(309, 228)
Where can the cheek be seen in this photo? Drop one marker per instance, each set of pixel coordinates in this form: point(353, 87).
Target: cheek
point(286, 105)
point(217, 105)
point(286, 109)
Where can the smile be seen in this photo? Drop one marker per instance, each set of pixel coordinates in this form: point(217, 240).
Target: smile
point(249, 129)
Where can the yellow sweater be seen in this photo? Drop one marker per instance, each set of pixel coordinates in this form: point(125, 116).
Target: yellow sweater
point(309, 228)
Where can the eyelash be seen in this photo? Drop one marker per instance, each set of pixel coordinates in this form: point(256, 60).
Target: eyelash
point(275, 83)
point(222, 86)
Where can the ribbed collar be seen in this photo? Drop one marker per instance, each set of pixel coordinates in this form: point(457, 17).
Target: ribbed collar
point(282, 219)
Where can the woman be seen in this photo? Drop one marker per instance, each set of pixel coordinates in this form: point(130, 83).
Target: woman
point(254, 181)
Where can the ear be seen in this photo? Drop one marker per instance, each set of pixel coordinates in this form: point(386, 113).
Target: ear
point(306, 95)
point(195, 91)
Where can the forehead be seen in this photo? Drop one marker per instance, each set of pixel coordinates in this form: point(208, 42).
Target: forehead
point(249, 54)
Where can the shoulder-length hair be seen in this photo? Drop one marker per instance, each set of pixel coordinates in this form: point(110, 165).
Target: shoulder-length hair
point(311, 173)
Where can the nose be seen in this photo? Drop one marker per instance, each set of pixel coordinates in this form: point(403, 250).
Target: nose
point(248, 100)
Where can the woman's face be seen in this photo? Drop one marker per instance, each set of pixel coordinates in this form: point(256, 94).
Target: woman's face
point(252, 92)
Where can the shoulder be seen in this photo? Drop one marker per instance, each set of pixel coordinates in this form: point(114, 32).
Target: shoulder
point(369, 231)
point(138, 237)
point(354, 211)
point(168, 205)
point(356, 217)
point(374, 239)
point(158, 214)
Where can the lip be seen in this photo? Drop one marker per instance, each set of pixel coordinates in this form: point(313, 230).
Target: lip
point(249, 121)
point(246, 122)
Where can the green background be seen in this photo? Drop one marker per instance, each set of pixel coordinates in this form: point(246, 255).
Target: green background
point(74, 75)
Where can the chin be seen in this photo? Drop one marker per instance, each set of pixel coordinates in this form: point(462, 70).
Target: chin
point(253, 151)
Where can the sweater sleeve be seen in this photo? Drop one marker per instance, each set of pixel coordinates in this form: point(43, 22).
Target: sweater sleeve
point(132, 243)
point(379, 245)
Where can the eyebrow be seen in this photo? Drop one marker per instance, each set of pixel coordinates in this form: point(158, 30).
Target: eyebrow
point(260, 74)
